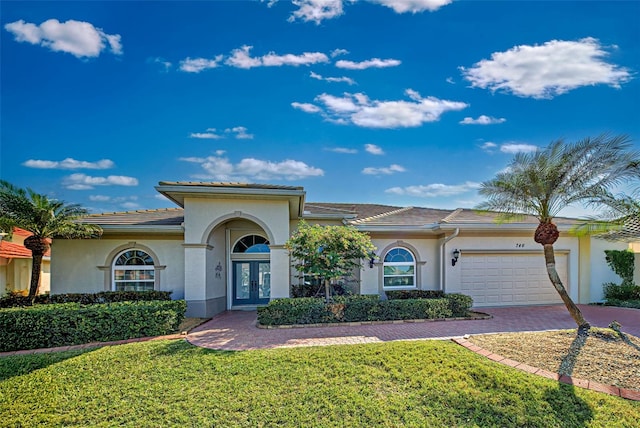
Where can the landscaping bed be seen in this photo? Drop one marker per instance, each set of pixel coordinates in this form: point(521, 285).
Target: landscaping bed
point(605, 357)
point(347, 309)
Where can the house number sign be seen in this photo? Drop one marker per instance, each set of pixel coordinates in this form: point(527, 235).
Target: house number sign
point(519, 245)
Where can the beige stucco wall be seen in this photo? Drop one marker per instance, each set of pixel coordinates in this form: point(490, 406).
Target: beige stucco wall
point(83, 266)
point(601, 273)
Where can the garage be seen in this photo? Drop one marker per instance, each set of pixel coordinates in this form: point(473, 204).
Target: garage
point(509, 279)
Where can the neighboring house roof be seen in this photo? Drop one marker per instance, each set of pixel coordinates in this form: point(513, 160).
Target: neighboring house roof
point(9, 250)
point(14, 250)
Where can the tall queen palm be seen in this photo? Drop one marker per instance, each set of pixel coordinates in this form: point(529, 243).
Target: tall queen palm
point(544, 182)
point(45, 218)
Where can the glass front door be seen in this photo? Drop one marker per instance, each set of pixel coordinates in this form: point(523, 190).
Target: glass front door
point(251, 282)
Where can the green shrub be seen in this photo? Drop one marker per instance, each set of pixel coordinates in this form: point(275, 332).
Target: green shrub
point(45, 326)
point(415, 294)
point(622, 263)
point(623, 303)
point(621, 292)
point(361, 308)
point(12, 300)
point(459, 304)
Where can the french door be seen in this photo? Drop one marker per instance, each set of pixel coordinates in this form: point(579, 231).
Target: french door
point(251, 282)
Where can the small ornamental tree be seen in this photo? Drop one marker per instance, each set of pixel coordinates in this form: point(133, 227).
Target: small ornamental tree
point(45, 218)
point(328, 252)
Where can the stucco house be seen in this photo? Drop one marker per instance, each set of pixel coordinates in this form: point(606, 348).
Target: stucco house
point(15, 264)
point(222, 248)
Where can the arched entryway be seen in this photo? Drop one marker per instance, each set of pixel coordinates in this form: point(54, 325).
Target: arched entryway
point(251, 270)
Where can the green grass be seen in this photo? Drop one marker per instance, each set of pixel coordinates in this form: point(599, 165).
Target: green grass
point(171, 383)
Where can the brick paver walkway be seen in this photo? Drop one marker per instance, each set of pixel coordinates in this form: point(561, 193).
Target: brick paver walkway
point(236, 330)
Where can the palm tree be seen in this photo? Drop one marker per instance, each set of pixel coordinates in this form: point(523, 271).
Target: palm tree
point(544, 182)
point(45, 218)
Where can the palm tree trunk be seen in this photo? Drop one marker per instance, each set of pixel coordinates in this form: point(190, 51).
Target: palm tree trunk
point(36, 266)
point(38, 247)
point(550, 259)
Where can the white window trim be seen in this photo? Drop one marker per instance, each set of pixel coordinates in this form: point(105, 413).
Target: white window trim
point(414, 263)
point(115, 267)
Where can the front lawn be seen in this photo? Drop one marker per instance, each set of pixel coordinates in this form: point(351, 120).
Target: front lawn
point(171, 383)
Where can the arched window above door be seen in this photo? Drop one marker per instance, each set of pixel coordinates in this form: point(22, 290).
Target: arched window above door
point(251, 244)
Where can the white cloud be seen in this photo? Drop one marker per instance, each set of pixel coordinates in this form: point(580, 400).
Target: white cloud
point(220, 152)
point(373, 149)
point(488, 146)
point(370, 63)
point(114, 200)
point(69, 163)
point(391, 169)
point(164, 63)
point(450, 80)
point(513, 148)
point(544, 71)
point(342, 150)
point(241, 58)
point(222, 169)
point(413, 6)
point(240, 133)
point(316, 10)
point(338, 52)
point(434, 190)
point(359, 110)
point(482, 120)
point(306, 107)
point(343, 79)
point(273, 60)
point(196, 65)
point(130, 205)
point(78, 38)
point(85, 182)
point(209, 135)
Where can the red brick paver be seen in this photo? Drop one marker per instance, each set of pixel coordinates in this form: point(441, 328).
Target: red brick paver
point(237, 331)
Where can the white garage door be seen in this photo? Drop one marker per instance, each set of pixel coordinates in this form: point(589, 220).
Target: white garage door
point(510, 279)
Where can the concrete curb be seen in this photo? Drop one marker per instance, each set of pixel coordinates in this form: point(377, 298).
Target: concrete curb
point(629, 394)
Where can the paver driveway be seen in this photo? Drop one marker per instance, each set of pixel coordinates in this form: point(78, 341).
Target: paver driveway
point(236, 330)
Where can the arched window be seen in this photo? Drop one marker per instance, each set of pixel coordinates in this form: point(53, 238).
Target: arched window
point(133, 270)
point(252, 244)
point(399, 269)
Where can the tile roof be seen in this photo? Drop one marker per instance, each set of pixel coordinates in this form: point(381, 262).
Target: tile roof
point(9, 250)
point(630, 232)
point(229, 185)
point(160, 217)
point(356, 214)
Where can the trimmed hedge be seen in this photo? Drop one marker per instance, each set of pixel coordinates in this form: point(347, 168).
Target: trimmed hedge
point(310, 310)
point(415, 294)
point(621, 292)
point(46, 326)
point(15, 299)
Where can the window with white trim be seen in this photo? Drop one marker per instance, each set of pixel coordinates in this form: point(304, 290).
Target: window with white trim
point(133, 270)
point(399, 269)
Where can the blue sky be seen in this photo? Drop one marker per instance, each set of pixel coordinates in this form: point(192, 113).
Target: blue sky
point(411, 102)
